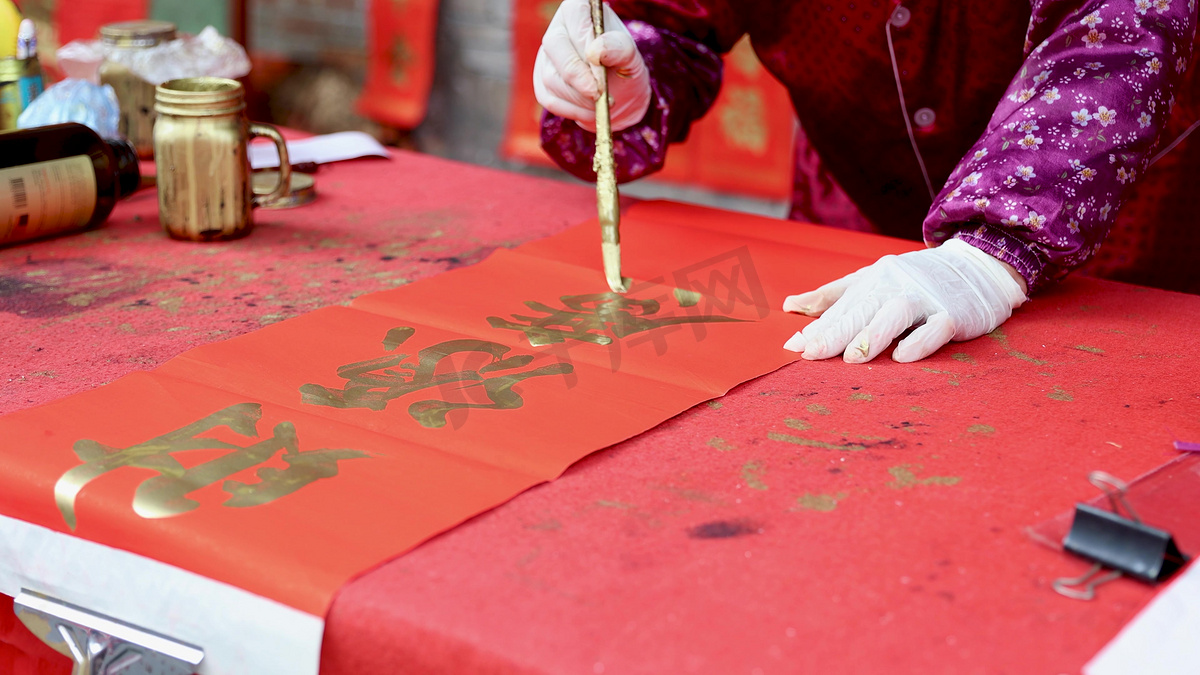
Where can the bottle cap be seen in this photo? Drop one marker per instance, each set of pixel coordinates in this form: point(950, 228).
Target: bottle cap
point(129, 172)
point(26, 40)
point(137, 33)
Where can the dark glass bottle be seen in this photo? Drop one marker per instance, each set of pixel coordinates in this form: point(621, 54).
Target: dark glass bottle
point(61, 178)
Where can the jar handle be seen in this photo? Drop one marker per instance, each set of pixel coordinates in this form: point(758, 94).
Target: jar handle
point(285, 166)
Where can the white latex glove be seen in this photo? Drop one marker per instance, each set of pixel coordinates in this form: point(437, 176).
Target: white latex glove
point(566, 73)
point(952, 292)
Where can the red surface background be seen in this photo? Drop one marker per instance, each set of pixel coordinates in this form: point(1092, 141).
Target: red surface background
point(821, 518)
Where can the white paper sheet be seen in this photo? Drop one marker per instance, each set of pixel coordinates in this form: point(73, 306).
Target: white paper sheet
point(319, 149)
point(240, 632)
point(1163, 639)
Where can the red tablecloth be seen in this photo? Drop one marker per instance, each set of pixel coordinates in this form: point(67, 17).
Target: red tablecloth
point(823, 518)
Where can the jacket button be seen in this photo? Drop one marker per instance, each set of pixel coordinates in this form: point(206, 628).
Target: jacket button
point(924, 117)
point(900, 17)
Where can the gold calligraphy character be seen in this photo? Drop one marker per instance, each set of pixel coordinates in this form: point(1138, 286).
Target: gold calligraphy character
point(591, 318)
point(373, 383)
point(165, 495)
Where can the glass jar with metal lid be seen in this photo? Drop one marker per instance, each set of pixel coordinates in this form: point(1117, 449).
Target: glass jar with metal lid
point(135, 95)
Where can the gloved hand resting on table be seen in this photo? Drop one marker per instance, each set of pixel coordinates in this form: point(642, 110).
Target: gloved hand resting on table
point(952, 292)
point(567, 67)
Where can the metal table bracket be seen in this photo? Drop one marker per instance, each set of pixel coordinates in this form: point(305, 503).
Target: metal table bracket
point(101, 645)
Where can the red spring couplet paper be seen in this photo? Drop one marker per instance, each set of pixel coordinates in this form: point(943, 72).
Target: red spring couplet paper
point(286, 461)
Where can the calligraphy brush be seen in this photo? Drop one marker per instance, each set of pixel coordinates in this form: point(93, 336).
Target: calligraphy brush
point(606, 175)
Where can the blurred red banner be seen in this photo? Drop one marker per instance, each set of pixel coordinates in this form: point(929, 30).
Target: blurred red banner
point(400, 57)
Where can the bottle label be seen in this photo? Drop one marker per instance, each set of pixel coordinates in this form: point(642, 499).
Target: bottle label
point(30, 87)
point(46, 197)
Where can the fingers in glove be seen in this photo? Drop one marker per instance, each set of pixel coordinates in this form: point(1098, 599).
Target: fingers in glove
point(564, 55)
point(615, 47)
point(796, 343)
point(814, 303)
point(558, 97)
point(925, 340)
point(627, 77)
point(627, 112)
point(892, 319)
point(829, 335)
point(616, 50)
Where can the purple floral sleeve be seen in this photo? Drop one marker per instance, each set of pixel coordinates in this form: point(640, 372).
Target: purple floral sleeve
point(685, 76)
point(1077, 126)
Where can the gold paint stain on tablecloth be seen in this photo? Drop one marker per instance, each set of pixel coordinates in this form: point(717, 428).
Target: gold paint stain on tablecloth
point(1060, 394)
point(818, 502)
point(752, 473)
point(906, 477)
point(798, 425)
point(721, 444)
point(788, 438)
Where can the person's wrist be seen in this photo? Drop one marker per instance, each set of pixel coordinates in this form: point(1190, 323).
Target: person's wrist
point(998, 279)
point(1012, 272)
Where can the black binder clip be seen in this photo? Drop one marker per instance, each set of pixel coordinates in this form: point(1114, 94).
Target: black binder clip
point(1123, 545)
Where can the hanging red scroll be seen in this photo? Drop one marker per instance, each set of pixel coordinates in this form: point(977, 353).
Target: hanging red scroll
point(742, 146)
point(400, 58)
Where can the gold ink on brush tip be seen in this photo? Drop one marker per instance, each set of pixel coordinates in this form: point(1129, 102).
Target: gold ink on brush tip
point(607, 196)
point(612, 268)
